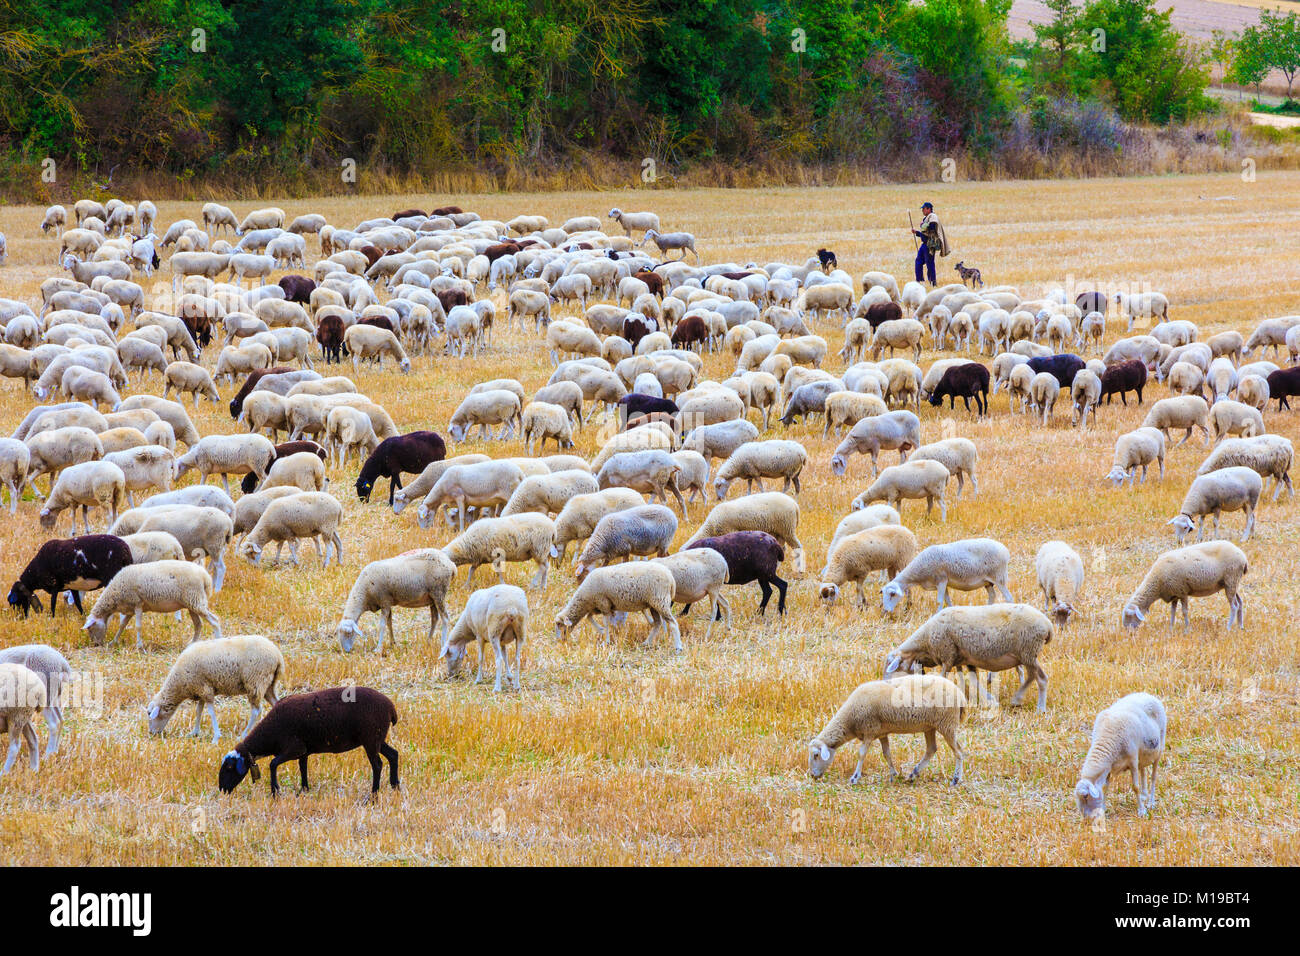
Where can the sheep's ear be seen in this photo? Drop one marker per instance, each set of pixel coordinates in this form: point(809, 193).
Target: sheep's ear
point(36, 603)
point(826, 752)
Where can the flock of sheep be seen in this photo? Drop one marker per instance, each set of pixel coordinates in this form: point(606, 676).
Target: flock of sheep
point(625, 332)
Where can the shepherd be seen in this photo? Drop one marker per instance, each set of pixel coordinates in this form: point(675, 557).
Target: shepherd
point(934, 241)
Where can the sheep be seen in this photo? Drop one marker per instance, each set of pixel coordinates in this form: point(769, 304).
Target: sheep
point(994, 637)
point(15, 462)
point(1228, 489)
point(1138, 448)
point(91, 484)
point(640, 531)
point(397, 454)
point(325, 721)
point(1186, 379)
point(373, 342)
point(201, 496)
point(22, 694)
point(87, 385)
point(310, 514)
point(76, 564)
point(53, 671)
point(898, 430)
point(302, 470)
point(1127, 735)
point(651, 471)
point(497, 615)
point(548, 494)
point(1235, 418)
point(642, 221)
point(1253, 390)
point(1269, 455)
point(808, 399)
point(699, 573)
point(495, 541)
point(228, 455)
point(1060, 576)
point(542, 420)
point(480, 485)
point(427, 478)
point(887, 548)
point(964, 380)
point(1043, 391)
point(173, 413)
point(1271, 333)
point(770, 511)
point(50, 452)
point(1185, 411)
point(911, 704)
point(898, 334)
point(412, 579)
point(147, 546)
point(246, 665)
point(484, 409)
point(1282, 385)
point(1196, 570)
point(202, 531)
point(146, 468)
point(348, 429)
point(667, 241)
point(1143, 305)
point(755, 461)
point(161, 586)
point(580, 515)
point(611, 592)
point(567, 395)
point(912, 479)
point(965, 565)
point(958, 455)
point(719, 440)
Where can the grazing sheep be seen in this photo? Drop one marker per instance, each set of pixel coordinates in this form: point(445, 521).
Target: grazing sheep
point(958, 455)
point(348, 429)
point(899, 430)
point(423, 484)
point(887, 548)
point(22, 694)
point(755, 461)
point(497, 615)
point(1252, 390)
point(1228, 489)
point(76, 564)
point(484, 409)
point(1060, 576)
point(1197, 570)
point(50, 452)
point(613, 591)
point(147, 546)
point(965, 565)
point(161, 586)
point(1185, 411)
point(1085, 391)
point(542, 420)
point(522, 537)
point(628, 533)
point(144, 468)
point(652, 472)
point(911, 479)
point(1127, 735)
point(1235, 418)
point(911, 704)
point(310, 514)
point(548, 494)
point(91, 484)
point(770, 511)
point(480, 485)
point(1269, 455)
point(201, 531)
point(1138, 448)
point(247, 665)
point(228, 455)
point(720, 440)
point(54, 671)
point(582, 513)
point(15, 462)
point(329, 721)
point(373, 342)
point(1043, 391)
point(994, 637)
point(699, 573)
point(412, 579)
point(872, 516)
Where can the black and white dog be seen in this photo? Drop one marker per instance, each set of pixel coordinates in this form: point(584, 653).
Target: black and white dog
point(828, 260)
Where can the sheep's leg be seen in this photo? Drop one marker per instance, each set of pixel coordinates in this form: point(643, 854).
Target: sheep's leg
point(539, 579)
point(212, 715)
point(942, 591)
point(198, 718)
point(1173, 612)
point(33, 746)
point(255, 711)
point(139, 618)
point(388, 625)
point(15, 744)
point(1031, 674)
point(1006, 595)
point(862, 756)
point(931, 747)
point(1151, 783)
point(503, 664)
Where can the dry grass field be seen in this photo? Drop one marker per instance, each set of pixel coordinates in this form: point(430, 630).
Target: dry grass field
point(623, 754)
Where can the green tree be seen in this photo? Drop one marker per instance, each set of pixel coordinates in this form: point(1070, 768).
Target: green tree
point(1280, 40)
point(1056, 47)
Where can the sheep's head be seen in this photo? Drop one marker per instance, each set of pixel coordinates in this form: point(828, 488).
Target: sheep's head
point(48, 518)
point(828, 592)
point(1117, 476)
point(839, 464)
point(95, 629)
point(251, 551)
point(21, 597)
point(234, 767)
point(364, 487)
point(158, 717)
point(347, 632)
point(1182, 525)
point(1132, 616)
point(890, 595)
point(455, 653)
point(819, 758)
point(1061, 611)
point(720, 488)
point(456, 431)
point(1091, 800)
point(563, 627)
point(406, 366)
point(581, 570)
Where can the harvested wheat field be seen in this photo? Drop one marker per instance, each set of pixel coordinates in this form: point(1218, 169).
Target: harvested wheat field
point(625, 754)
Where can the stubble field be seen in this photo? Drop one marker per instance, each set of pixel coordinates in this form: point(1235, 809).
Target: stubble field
point(624, 754)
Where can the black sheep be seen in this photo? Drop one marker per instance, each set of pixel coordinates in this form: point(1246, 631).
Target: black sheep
point(329, 333)
point(331, 721)
point(966, 381)
point(1124, 377)
point(69, 564)
point(751, 556)
point(1062, 367)
point(689, 331)
point(410, 453)
point(879, 313)
point(630, 406)
point(249, 482)
point(297, 288)
point(1283, 384)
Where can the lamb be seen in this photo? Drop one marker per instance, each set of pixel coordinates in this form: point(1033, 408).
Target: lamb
point(1060, 576)
point(145, 468)
point(201, 531)
point(1197, 570)
point(1138, 448)
point(484, 409)
point(412, 579)
point(15, 461)
point(899, 430)
point(642, 221)
point(911, 479)
point(769, 511)
point(912, 704)
point(651, 471)
point(480, 485)
point(1184, 411)
point(1127, 735)
point(311, 514)
point(410, 453)
point(966, 565)
point(1270, 455)
point(247, 665)
point(755, 461)
point(628, 533)
point(325, 721)
point(303, 470)
point(887, 548)
point(373, 342)
point(162, 586)
point(1043, 390)
point(958, 455)
point(995, 637)
point(227, 455)
point(54, 671)
point(76, 564)
point(497, 615)
point(494, 541)
point(612, 592)
point(91, 484)
point(548, 494)
point(1228, 489)
point(580, 515)
point(22, 694)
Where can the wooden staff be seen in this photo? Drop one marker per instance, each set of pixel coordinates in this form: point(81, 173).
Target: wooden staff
point(916, 247)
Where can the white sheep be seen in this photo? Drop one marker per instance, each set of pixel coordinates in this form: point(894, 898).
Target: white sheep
point(755, 461)
point(485, 409)
point(91, 484)
point(898, 430)
point(412, 579)
point(523, 537)
point(1185, 411)
point(699, 573)
point(770, 511)
point(245, 665)
point(15, 460)
point(202, 531)
point(965, 565)
point(146, 468)
point(872, 516)
point(652, 472)
point(1043, 391)
point(614, 591)
point(54, 672)
point(853, 556)
point(582, 513)
point(481, 485)
point(1228, 489)
point(1127, 735)
point(227, 455)
point(22, 694)
point(162, 586)
point(1197, 570)
point(958, 455)
point(1060, 576)
point(912, 479)
point(1270, 455)
point(1137, 449)
point(495, 615)
point(627, 533)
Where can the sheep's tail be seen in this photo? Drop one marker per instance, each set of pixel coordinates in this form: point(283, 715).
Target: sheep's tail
point(198, 554)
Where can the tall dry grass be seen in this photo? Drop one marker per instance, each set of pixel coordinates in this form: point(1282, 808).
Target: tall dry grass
point(623, 754)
